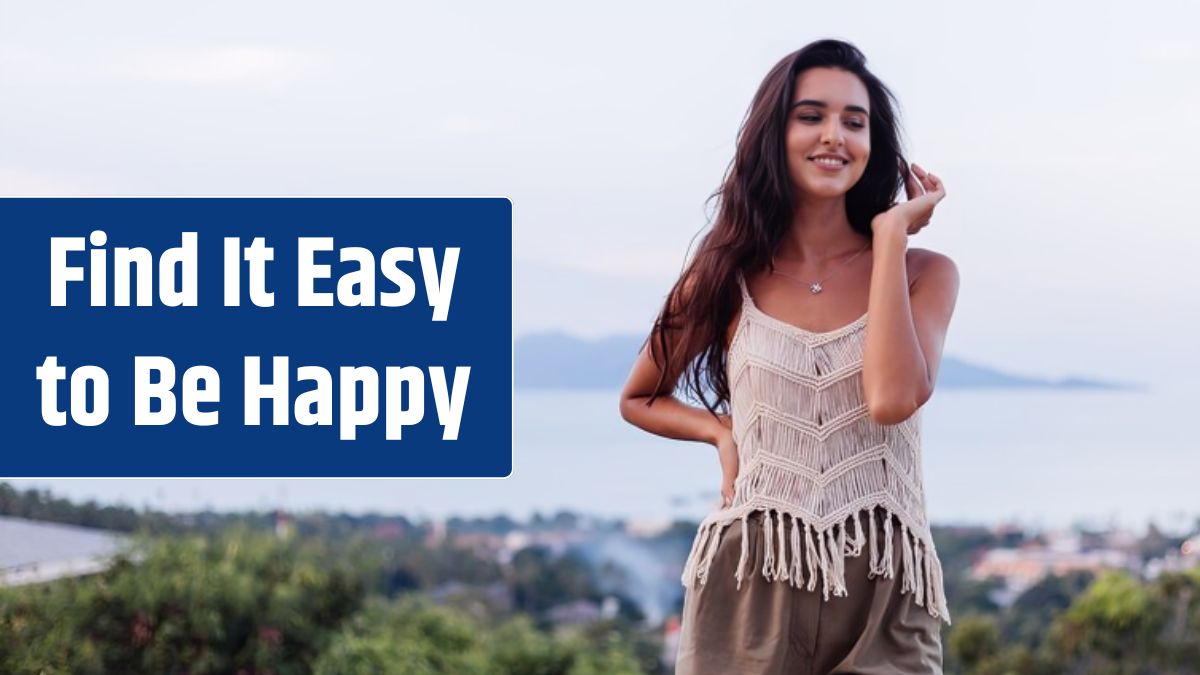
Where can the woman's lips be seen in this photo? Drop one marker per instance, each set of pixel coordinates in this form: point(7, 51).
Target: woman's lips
point(829, 166)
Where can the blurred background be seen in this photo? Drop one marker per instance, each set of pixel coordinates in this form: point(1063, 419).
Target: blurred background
point(1060, 464)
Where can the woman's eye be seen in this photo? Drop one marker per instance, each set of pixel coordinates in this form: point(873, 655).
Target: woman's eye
point(856, 124)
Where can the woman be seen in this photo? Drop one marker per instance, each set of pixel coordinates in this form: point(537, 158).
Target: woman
point(819, 558)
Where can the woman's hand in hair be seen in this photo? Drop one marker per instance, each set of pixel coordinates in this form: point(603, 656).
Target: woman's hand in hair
point(727, 452)
point(924, 191)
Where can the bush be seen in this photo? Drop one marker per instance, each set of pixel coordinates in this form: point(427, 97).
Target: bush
point(237, 603)
point(411, 637)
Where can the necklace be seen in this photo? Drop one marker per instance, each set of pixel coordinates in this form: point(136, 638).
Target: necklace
point(815, 287)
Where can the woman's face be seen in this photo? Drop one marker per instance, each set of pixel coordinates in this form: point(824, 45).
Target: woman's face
point(829, 119)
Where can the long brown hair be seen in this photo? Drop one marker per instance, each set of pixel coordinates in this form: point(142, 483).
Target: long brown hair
point(754, 211)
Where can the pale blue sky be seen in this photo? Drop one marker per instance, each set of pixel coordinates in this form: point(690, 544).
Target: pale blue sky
point(1061, 130)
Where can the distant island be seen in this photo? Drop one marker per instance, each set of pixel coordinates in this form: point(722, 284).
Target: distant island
point(554, 360)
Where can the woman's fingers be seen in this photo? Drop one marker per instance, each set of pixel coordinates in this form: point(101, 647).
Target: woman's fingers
point(928, 181)
point(726, 495)
point(912, 180)
point(938, 185)
point(920, 183)
point(930, 184)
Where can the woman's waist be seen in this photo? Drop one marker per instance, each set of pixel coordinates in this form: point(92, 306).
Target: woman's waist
point(802, 425)
point(817, 460)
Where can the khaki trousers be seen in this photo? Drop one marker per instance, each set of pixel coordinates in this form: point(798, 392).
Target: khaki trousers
point(774, 628)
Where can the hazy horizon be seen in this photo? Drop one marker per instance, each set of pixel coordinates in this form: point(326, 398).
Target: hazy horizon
point(1049, 457)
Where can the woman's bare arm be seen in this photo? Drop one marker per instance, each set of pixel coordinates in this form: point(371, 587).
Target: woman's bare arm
point(668, 416)
point(907, 330)
point(908, 325)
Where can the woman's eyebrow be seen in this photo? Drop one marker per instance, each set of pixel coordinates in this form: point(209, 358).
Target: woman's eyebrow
point(822, 104)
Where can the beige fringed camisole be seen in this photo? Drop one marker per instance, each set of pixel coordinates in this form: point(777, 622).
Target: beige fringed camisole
point(812, 459)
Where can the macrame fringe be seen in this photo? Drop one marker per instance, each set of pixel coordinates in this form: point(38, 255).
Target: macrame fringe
point(810, 552)
point(745, 549)
point(768, 555)
point(781, 570)
point(797, 571)
point(826, 551)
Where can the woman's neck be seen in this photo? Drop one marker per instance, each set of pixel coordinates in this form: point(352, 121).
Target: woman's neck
point(820, 230)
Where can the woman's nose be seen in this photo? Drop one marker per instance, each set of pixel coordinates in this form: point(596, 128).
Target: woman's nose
point(832, 133)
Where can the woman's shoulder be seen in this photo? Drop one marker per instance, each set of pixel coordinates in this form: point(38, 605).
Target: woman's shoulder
point(924, 261)
point(919, 255)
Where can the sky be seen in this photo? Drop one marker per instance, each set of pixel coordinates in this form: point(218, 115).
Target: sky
point(1063, 132)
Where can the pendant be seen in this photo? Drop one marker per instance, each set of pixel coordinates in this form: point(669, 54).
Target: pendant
point(815, 287)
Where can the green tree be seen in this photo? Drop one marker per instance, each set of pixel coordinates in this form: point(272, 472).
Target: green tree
point(412, 637)
point(1112, 629)
point(541, 580)
point(239, 602)
point(974, 640)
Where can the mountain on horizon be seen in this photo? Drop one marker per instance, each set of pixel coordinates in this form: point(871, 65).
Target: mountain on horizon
point(556, 360)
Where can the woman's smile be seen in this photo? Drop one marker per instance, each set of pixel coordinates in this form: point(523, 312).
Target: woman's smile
point(829, 162)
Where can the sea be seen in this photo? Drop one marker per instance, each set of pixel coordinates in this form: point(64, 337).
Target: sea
point(1035, 458)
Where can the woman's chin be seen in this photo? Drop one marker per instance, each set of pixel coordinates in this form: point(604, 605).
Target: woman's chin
point(824, 189)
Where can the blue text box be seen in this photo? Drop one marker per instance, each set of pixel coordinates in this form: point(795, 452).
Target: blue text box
point(475, 334)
